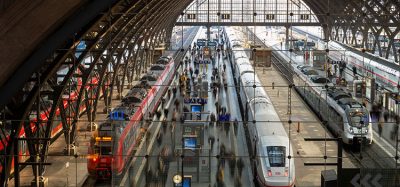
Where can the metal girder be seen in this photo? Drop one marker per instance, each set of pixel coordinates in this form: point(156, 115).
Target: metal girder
point(375, 17)
point(132, 26)
point(27, 106)
point(73, 25)
point(135, 32)
point(285, 24)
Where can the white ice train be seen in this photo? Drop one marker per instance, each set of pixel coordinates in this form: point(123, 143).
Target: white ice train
point(274, 163)
point(344, 116)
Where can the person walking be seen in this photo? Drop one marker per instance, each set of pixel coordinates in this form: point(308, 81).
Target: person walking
point(220, 177)
point(386, 116)
point(240, 166)
point(380, 128)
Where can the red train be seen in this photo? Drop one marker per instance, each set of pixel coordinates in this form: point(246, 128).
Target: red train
point(113, 144)
point(69, 101)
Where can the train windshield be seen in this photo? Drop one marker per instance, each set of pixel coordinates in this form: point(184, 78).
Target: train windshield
point(103, 150)
point(276, 156)
point(359, 119)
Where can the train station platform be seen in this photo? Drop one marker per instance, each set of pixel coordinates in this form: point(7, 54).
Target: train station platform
point(216, 135)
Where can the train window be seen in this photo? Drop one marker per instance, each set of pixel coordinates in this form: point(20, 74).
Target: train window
point(276, 156)
point(105, 150)
point(359, 118)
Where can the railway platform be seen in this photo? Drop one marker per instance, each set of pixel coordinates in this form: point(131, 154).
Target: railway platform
point(218, 136)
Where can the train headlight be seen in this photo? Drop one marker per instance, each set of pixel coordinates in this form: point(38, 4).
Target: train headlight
point(269, 173)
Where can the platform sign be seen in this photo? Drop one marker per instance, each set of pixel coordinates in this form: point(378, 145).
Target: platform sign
point(211, 44)
point(224, 117)
point(201, 44)
point(195, 100)
point(203, 62)
point(117, 115)
point(335, 61)
point(310, 44)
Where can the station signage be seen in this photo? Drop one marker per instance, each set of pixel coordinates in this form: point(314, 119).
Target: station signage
point(117, 115)
point(335, 61)
point(195, 101)
point(310, 44)
point(201, 43)
point(203, 62)
point(210, 43)
point(224, 117)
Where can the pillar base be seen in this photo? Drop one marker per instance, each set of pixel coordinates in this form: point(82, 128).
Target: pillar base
point(91, 126)
point(72, 150)
point(43, 182)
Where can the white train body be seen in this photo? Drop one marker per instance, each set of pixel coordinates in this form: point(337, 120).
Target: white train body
point(274, 161)
point(337, 115)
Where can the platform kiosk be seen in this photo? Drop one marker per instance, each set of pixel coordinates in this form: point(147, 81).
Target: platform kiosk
point(193, 143)
point(252, 47)
point(319, 60)
point(262, 57)
point(196, 106)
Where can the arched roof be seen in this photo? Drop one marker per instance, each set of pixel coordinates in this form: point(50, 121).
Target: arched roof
point(26, 26)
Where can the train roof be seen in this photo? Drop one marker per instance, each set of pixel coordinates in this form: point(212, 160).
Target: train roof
point(349, 103)
point(164, 60)
point(134, 96)
point(275, 140)
point(245, 68)
point(157, 67)
point(337, 94)
point(268, 122)
point(248, 82)
point(240, 54)
point(149, 77)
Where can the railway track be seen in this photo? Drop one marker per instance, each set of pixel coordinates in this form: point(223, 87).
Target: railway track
point(370, 156)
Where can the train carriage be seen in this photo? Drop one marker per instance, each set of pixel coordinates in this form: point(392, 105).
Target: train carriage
point(122, 130)
point(269, 140)
point(328, 103)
